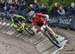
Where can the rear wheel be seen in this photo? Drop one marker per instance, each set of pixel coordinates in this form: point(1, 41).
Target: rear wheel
point(29, 30)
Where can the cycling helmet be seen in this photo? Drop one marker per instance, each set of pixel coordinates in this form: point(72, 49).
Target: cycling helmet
point(31, 13)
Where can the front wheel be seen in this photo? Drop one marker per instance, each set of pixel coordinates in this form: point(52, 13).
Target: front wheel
point(51, 38)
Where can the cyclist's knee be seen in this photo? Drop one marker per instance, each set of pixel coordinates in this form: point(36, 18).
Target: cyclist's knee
point(43, 27)
point(34, 29)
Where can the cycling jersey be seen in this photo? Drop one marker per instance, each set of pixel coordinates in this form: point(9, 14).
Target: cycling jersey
point(38, 19)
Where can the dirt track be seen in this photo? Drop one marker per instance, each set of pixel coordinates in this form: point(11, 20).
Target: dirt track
point(25, 44)
point(70, 35)
point(12, 45)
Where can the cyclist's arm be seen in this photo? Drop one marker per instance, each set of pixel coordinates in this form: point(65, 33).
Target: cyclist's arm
point(46, 17)
point(33, 22)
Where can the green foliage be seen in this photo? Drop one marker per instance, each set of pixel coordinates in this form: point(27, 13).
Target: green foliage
point(50, 3)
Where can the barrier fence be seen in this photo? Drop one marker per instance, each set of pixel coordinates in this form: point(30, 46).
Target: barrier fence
point(60, 21)
point(63, 21)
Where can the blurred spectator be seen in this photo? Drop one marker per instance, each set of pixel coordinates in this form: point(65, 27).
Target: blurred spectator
point(44, 9)
point(15, 6)
point(70, 10)
point(22, 9)
point(54, 11)
point(61, 10)
point(22, 5)
point(31, 7)
point(35, 6)
point(1, 6)
point(7, 6)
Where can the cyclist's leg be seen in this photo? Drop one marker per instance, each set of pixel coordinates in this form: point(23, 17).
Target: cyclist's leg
point(59, 37)
point(42, 27)
point(51, 31)
point(34, 29)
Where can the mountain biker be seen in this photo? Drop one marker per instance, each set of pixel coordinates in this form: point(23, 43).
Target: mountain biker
point(18, 22)
point(38, 23)
point(18, 19)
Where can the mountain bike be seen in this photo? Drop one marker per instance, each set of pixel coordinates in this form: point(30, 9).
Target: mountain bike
point(20, 25)
point(52, 38)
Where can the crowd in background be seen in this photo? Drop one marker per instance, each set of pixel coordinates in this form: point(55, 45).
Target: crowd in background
point(12, 7)
point(63, 10)
point(20, 6)
point(57, 9)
